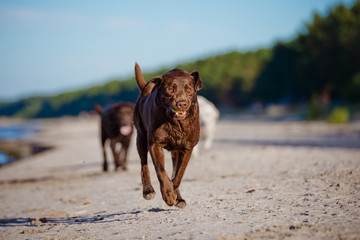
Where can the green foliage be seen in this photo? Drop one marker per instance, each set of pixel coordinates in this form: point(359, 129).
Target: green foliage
point(73, 102)
point(315, 111)
point(32, 106)
point(325, 57)
point(339, 115)
point(351, 89)
point(229, 78)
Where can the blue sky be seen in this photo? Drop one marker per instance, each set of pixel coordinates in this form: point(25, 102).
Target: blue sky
point(47, 47)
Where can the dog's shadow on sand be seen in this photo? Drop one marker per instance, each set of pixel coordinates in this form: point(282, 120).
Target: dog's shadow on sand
point(103, 218)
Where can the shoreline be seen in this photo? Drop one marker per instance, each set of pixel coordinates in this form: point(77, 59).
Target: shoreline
point(17, 150)
point(18, 140)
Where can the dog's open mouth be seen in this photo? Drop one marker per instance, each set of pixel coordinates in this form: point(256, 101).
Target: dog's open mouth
point(179, 114)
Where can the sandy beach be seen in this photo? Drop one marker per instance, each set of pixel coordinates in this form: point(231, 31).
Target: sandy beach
point(260, 180)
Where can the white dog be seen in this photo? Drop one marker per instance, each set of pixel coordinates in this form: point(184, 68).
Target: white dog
point(208, 117)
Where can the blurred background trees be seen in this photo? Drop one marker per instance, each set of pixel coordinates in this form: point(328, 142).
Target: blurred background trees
point(323, 62)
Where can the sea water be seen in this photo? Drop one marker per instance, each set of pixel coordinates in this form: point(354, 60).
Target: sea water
point(16, 132)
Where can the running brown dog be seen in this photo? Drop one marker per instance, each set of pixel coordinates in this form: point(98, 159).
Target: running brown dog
point(117, 126)
point(166, 116)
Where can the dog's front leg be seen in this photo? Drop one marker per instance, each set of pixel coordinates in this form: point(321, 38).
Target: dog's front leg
point(123, 155)
point(116, 153)
point(166, 186)
point(180, 161)
point(105, 164)
point(141, 144)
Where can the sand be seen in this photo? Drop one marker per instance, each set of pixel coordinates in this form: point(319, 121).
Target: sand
point(260, 180)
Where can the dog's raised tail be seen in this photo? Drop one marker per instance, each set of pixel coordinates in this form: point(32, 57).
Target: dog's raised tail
point(139, 77)
point(98, 109)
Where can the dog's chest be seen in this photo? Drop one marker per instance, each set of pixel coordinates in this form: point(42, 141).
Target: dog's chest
point(175, 137)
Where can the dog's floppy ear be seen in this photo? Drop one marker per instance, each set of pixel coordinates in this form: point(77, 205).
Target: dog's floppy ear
point(198, 83)
point(149, 87)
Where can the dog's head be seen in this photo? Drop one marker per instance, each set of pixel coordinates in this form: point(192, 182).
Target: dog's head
point(176, 91)
point(121, 113)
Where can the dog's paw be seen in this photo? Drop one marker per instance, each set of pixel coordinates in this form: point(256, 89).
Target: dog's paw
point(180, 203)
point(105, 167)
point(169, 197)
point(149, 194)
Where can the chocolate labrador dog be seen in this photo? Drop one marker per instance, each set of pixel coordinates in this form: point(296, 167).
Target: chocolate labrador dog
point(166, 116)
point(117, 126)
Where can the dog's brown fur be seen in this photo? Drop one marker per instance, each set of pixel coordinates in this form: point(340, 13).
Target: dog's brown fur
point(117, 126)
point(159, 127)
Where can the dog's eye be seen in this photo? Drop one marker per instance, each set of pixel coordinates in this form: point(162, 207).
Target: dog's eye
point(189, 90)
point(170, 89)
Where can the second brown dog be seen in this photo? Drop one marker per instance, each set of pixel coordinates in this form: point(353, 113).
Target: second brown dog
point(116, 126)
point(166, 116)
